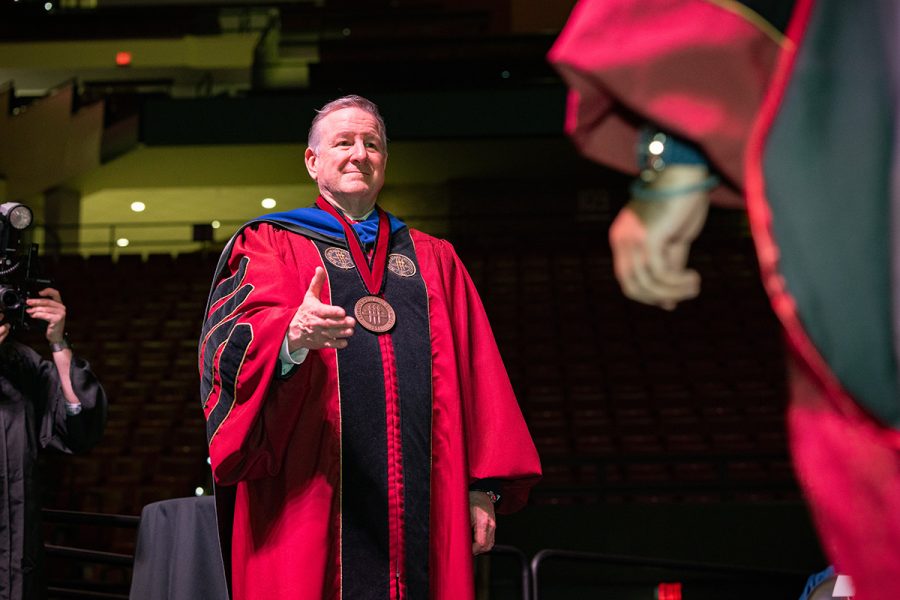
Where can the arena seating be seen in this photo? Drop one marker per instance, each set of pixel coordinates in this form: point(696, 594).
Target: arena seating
point(626, 404)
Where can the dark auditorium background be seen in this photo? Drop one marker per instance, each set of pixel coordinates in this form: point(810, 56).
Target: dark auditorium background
point(143, 132)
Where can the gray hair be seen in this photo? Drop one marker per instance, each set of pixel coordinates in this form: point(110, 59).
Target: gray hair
point(350, 101)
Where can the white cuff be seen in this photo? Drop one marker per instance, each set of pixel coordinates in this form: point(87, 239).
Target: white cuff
point(73, 409)
point(289, 359)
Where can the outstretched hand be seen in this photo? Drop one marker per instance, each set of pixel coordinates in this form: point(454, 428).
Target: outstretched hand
point(318, 325)
point(651, 241)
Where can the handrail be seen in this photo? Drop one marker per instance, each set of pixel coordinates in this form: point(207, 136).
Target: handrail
point(75, 517)
point(638, 561)
point(68, 517)
point(164, 236)
point(112, 558)
point(58, 592)
point(523, 561)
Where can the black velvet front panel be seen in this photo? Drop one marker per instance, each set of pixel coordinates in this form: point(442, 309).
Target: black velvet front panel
point(412, 349)
point(365, 538)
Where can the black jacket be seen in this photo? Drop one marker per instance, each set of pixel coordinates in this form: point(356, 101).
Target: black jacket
point(33, 417)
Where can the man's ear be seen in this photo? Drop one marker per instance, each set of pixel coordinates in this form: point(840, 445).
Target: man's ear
point(310, 158)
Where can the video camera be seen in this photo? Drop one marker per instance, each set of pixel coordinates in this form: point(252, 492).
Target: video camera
point(19, 270)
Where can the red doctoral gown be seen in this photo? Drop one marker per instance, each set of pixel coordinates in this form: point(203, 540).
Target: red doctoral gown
point(695, 68)
point(808, 126)
point(350, 475)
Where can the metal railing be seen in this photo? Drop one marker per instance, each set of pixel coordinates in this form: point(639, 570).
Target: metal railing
point(66, 517)
point(654, 563)
point(99, 238)
point(531, 571)
point(524, 566)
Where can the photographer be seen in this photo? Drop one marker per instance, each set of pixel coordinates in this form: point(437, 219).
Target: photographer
point(55, 404)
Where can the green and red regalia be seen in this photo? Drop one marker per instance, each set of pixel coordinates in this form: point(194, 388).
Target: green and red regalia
point(348, 476)
point(806, 126)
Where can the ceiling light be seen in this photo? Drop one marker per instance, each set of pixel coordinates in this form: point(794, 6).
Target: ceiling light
point(216, 224)
point(122, 242)
point(138, 206)
point(268, 203)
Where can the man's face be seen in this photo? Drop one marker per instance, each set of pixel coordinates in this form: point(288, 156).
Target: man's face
point(349, 163)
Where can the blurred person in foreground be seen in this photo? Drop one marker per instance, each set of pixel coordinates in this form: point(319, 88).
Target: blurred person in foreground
point(361, 423)
point(56, 404)
point(705, 100)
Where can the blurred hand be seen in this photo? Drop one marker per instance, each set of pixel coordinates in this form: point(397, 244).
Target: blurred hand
point(484, 522)
point(317, 325)
point(49, 308)
point(651, 240)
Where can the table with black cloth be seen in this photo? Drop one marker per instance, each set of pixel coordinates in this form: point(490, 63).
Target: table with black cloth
point(177, 555)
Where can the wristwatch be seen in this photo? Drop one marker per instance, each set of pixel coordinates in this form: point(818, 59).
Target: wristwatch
point(492, 496)
point(60, 346)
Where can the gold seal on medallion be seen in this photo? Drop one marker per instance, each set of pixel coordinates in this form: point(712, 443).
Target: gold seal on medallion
point(375, 314)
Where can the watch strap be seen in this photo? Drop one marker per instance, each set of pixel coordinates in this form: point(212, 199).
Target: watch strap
point(60, 346)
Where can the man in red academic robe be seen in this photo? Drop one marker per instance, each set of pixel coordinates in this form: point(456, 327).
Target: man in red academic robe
point(806, 124)
point(361, 424)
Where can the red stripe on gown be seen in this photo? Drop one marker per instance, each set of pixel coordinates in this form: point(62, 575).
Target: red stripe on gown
point(396, 529)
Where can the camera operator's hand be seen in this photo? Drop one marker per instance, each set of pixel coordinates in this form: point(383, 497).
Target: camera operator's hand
point(49, 307)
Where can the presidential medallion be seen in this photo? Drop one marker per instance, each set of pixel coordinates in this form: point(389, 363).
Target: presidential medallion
point(401, 265)
point(375, 314)
point(339, 258)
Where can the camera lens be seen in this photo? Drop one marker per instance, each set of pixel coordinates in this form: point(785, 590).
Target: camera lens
point(10, 298)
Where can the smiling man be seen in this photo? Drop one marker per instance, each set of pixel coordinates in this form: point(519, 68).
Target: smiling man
point(359, 452)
